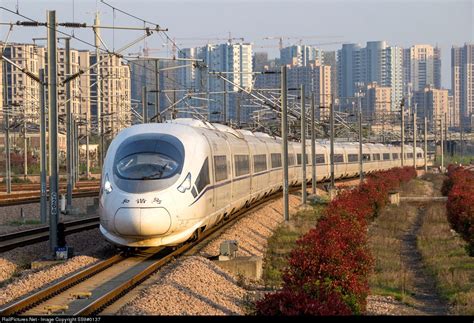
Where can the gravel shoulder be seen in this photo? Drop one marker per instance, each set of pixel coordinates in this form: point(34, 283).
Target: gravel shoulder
point(17, 279)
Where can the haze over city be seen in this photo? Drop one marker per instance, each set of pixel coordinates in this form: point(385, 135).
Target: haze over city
point(400, 23)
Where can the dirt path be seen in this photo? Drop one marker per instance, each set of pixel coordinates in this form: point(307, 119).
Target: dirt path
point(420, 287)
point(424, 294)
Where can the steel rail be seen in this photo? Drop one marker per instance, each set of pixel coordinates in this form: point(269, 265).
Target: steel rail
point(26, 237)
point(34, 197)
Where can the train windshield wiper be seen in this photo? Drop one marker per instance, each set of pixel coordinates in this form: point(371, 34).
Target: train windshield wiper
point(156, 175)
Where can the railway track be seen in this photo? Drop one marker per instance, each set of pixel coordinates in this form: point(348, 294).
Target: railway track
point(91, 290)
point(18, 187)
point(26, 237)
point(34, 196)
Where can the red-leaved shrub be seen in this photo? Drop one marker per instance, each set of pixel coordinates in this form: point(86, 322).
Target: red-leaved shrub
point(327, 272)
point(459, 187)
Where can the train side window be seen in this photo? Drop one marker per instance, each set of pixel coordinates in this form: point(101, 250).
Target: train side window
point(409, 155)
point(395, 156)
point(220, 168)
point(338, 158)
point(353, 157)
point(276, 160)
point(419, 155)
point(366, 157)
point(291, 159)
point(203, 178)
point(298, 159)
point(376, 156)
point(242, 166)
point(386, 156)
point(259, 163)
point(320, 159)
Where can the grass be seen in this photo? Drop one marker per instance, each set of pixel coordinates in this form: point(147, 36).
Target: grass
point(390, 277)
point(283, 241)
point(446, 259)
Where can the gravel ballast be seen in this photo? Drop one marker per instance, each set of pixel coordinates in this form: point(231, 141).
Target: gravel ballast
point(196, 286)
point(89, 243)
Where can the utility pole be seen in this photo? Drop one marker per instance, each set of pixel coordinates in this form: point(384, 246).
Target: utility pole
point(402, 130)
point(73, 154)
point(414, 137)
point(157, 93)
point(361, 156)
point(238, 110)
point(313, 147)
point(446, 131)
point(25, 149)
point(145, 104)
point(44, 196)
point(6, 117)
point(53, 129)
point(303, 146)
point(76, 155)
point(100, 130)
point(224, 101)
point(87, 145)
point(426, 144)
point(442, 145)
point(284, 142)
point(69, 166)
point(331, 121)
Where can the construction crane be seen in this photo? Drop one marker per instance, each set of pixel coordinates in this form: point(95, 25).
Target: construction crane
point(300, 39)
point(313, 45)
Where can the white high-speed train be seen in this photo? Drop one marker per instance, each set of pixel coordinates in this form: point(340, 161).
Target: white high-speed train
point(164, 183)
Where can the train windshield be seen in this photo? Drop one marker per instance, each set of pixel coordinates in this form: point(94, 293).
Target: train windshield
point(145, 165)
point(149, 158)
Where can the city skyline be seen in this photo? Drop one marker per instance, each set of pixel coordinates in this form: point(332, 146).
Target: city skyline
point(388, 20)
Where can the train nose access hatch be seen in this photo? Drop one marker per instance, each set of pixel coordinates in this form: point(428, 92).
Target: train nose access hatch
point(142, 221)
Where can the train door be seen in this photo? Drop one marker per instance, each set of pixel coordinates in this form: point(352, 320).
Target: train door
point(222, 171)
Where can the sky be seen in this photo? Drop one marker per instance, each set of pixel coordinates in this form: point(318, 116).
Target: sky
point(403, 23)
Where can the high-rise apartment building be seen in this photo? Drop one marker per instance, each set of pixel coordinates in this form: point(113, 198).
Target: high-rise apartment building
point(300, 55)
point(432, 103)
point(115, 92)
point(22, 91)
point(423, 67)
point(349, 70)
point(330, 59)
point(377, 62)
point(462, 80)
point(376, 102)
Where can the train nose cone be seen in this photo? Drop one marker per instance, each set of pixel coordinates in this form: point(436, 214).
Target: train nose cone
point(142, 221)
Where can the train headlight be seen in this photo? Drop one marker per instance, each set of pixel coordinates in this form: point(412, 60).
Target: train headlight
point(186, 184)
point(107, 185)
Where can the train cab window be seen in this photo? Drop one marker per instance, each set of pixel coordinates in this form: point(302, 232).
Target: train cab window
point(259, 163)
point(409, 155)
point(376, 156)
point(320, 159)
point(353, 158)
point(220, 168)
point(202, 179)
point(276, 160)
point(242, 166)
point(395, 156)
point(386, 156)
point(338, 158)
point(419, 155)
point(291, 159)
point(366, 157)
